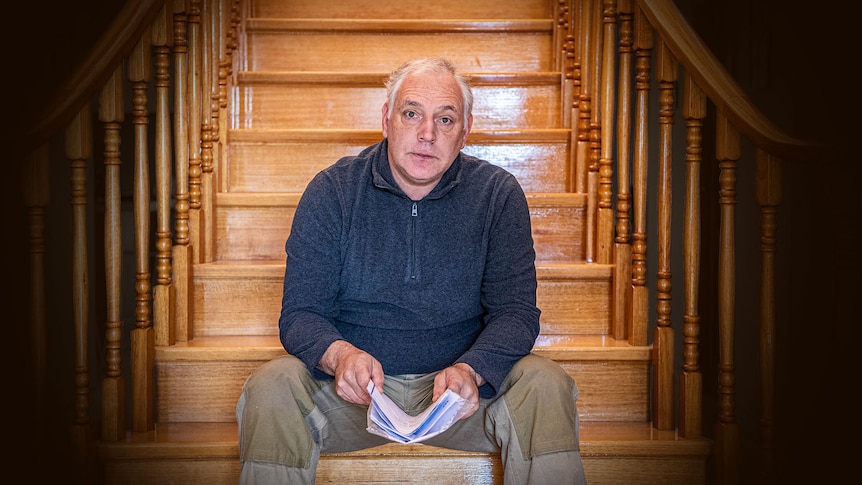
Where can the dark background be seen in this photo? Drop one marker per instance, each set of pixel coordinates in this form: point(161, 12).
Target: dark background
point(793, 58)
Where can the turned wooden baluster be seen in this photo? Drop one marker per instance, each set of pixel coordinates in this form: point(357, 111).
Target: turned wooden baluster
point(622, 241)
point(79, 151)
point(582, 154)
point(228, 43)
point(114, 384)
point(605, 191)
point(639, 320)
point(143, 336)
point(560, 31)
point(182, 249)
point(195, 103)
point(691, 379)
point(163, 293)
point(768, 184)
point(594, 51)
point(573, 86)
point(205, 236)
point(663, 340)
point(36, 199)
point(221, 20)
point(727, 152)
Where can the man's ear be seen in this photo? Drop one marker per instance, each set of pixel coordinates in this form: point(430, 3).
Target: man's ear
point(467, 127)
point(385, 121)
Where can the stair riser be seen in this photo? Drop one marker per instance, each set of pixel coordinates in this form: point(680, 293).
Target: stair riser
point(207, 391)
point(420, 470)
point(288, 166)
point(258, 232)
point(375, 52)
point(251, 306)
point(268, 106)
point(375, 9)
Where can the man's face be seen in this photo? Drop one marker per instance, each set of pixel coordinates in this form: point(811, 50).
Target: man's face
point(426, 131)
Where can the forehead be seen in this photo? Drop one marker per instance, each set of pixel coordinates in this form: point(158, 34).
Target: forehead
point(430, 90)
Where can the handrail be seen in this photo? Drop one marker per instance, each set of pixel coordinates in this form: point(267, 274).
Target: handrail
point(721, 89)
point(117, 41)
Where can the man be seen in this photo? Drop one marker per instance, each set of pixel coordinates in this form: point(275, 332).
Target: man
point(411, 266)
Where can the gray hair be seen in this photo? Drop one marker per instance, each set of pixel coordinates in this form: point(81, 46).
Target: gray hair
point(433, 64)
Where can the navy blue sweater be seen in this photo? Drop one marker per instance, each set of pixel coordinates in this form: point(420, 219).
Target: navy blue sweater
point(420, 285)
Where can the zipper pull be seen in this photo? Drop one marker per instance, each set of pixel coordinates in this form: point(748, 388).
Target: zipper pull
point(415, 211)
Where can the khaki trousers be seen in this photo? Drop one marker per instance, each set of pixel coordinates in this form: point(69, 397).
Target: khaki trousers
point(287, 419)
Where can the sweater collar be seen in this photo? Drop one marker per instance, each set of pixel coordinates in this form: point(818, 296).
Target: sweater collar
point(382, 177)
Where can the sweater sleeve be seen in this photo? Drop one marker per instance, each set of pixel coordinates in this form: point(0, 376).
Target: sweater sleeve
point(311, 275)
point(508, 292)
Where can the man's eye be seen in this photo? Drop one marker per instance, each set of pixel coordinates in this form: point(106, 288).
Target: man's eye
point(410, 114)
point(446, 120)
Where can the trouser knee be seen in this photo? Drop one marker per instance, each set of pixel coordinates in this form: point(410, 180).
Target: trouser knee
point(283, 378)
point(541, 377)
point(541, 401)
point(271, 412)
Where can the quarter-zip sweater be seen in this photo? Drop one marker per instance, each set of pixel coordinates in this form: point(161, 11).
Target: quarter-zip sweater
point(419, 285)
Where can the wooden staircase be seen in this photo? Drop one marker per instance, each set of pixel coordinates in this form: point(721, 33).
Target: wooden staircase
point(307, 88)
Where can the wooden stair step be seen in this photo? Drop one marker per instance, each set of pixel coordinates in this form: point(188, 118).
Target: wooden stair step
point(374, 9)
point(262, 160)
point(254, 226)
point(200, 380)
point(306, 100)
point(207, 453)
point(378, 45)
point(244, 298)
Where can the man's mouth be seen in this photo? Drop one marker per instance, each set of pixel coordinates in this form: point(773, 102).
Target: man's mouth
point(422, 155)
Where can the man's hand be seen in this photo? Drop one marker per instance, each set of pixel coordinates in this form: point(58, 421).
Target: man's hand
point(352, 368)
point(463, 380)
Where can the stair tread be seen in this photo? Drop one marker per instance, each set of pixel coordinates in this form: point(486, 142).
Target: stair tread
point(275, 268)
point(485, 9)
point(179, 440)
point(292, 198)
point(399, 25)
point(276, 135)
point(376, 79)
point(265, 347)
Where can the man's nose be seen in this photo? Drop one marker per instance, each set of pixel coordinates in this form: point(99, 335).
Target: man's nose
point(428, 131)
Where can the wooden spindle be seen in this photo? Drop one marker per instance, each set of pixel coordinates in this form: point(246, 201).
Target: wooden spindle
point(727, 430)
point(233, 41)
point(605, 210)
point(36, 199)
point(584, 100)
point(560, 12)
point(163, 293)
point(640, 293)
point(195, 99)
point(622, 241)
point(142, 338)
point(113, 385)
point(663, 340)
point(181, 250)
point(594, 51)
point(571, 103)
point(768, 187)
point(227, 47)
point(78, 151)
point(566, 63)
point(205, 235)
point(691, 380)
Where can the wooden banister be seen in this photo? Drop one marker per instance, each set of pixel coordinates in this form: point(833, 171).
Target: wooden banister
point(91, 74)
point(719, 86)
